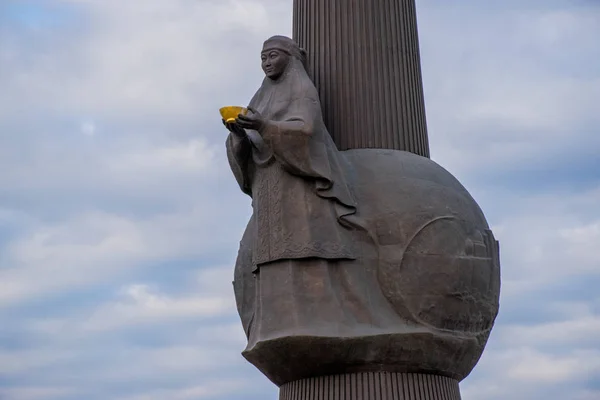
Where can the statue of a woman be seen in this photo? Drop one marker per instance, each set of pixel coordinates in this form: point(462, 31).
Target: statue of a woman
point(301, 228)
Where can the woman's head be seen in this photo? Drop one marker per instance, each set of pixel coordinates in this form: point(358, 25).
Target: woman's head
point(276, 55)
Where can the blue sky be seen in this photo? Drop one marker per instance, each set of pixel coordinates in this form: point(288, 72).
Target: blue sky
point(119, 218)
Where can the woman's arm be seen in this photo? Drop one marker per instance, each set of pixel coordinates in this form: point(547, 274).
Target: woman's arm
point(239, 155)
point(290, 139)
point(290, 142)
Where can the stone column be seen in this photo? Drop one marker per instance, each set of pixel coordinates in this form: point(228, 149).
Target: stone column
point(372, 386)
point(364, 60)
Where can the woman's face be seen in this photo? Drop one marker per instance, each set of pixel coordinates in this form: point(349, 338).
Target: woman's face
point(274, 63)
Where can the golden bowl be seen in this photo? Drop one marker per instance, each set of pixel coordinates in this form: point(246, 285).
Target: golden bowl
point(230, 113)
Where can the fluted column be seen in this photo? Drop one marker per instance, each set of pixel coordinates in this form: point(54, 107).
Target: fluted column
point(364, 60)
point(372, 386)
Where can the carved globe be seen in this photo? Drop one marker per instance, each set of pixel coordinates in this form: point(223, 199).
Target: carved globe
point(430, 266)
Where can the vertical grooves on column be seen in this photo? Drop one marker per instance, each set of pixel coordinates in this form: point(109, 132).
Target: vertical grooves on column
point(375, 90)
point(440, 393)
point(376, 22)
point(387, 70)
point(413, 140)
point(382, 22)
point(447, 389)
point(397, 73)
point(400, 34)
point(443, 391)
point(323, 46)
point(364, 96)
point(333, 77)
point(343, 70)
point(427, 387)
point(372, 386)
point(421, 96)
point(418, 386)
point(364, 60)
point(346, 69)
point(432, 389)
point(414, 68)
point(396, 387)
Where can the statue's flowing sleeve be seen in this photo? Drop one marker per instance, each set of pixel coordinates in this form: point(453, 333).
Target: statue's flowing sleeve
point(290, 139)
point(301, 144)
point(239, 155)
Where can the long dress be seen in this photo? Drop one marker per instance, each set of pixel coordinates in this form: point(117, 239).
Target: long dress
point(297, 271)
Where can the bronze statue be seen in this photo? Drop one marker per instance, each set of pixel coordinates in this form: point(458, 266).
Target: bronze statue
point(300, 231)
point(361, 261)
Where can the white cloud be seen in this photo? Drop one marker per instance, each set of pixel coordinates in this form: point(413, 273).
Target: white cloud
point(195, 156)
point(140, 304)
point(115, 124)
point(224, 387)
point(88, 128)
point(568, 332)
point(143, 305)
point(23, 361)
point(505, 94)
point(207, 294)
point(582, 243)
point(537, 368)
point(167, 57)
point(522, 373)
point(93, 247)
point(587, 395)
point(36, 393)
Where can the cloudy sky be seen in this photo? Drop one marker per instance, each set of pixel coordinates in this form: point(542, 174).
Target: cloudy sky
point(119, 218)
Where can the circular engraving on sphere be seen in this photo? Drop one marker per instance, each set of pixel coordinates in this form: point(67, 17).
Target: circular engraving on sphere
point(448, 277)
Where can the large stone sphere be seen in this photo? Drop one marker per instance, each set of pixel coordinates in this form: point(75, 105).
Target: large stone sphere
point(428, 280)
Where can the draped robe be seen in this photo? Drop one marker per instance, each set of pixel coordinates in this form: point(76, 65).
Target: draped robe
point(293, 172)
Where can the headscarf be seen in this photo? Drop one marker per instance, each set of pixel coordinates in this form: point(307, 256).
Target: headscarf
point(286, 45)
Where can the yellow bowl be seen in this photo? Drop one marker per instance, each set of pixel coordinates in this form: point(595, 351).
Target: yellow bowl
point(230, 113)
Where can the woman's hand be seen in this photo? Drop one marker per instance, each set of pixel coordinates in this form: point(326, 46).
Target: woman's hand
point(234, 128)
point(254, 121)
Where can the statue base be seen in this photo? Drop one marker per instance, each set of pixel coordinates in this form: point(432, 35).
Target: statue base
point(372, 386)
